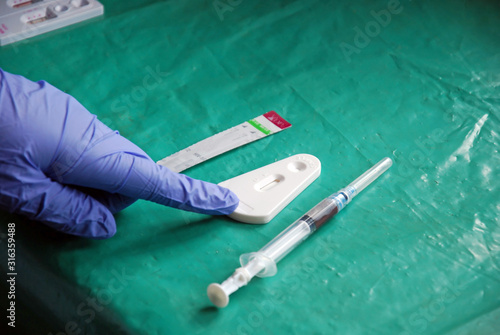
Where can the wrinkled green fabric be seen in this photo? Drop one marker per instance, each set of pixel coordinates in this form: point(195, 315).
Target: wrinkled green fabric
point(416, 252)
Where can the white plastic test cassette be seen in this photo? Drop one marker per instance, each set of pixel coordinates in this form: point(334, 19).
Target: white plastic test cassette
point(264, 192)
point(21, 19)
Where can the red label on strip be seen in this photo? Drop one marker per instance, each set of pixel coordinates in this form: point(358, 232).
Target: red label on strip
point(277, 120)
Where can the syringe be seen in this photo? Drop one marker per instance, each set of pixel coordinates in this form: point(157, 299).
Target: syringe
point(263, 262)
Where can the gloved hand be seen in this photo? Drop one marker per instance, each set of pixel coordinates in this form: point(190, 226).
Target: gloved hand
point(63, 167)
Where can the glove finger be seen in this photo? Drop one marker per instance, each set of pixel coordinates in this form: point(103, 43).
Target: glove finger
point(113, 202)
point(89, 154)
point(58, 206)
point(116, 165)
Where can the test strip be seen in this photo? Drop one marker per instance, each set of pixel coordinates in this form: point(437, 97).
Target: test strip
point(249, 131)
point(21, 19)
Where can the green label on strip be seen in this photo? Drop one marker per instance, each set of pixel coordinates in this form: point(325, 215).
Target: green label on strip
point(260, 127)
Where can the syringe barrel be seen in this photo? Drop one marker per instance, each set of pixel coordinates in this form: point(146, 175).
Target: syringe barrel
point(287, 240)
point(298, 231)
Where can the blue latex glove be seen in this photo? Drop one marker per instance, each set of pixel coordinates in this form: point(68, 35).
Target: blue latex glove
point(63, 167)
